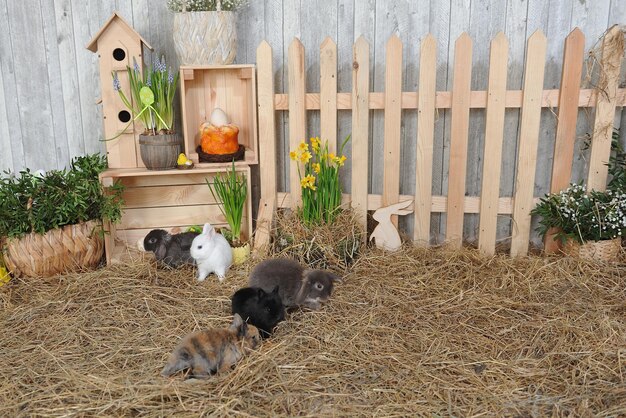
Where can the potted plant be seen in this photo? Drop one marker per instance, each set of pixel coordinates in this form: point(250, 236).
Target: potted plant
point(51, 222)
point(205, 31)
point(152, 103)
point(589, 223)
point(230, 190)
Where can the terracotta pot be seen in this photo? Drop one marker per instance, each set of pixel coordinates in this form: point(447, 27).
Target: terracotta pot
point(160, 152)
point(72, 247)
point(205, 37)
point(606, 250)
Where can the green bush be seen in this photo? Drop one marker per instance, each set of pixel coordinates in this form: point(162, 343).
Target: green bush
point(30, 202)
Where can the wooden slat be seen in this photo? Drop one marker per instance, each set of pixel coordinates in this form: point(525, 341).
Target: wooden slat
point(360, 128)
point(297, 114)
point(165, 216)
point(492, 153)
point(458, 138)
point(264, 225)
point(393, 113)
point(146, 197)
point(443, 99)
point(573, 55)
point(528, 140)
point(328, 93)
point(425, 137)
point(267, 122)
point(605, 109)
point(439, 203)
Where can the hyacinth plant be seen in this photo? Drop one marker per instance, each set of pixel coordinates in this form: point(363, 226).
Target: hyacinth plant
point(205, 5)
point(230, 190)
point(321, 191)
point(152, 96)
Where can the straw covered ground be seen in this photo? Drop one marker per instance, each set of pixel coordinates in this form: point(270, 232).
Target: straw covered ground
point(419, 332)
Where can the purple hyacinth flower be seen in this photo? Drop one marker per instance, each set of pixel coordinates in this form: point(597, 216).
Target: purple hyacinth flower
point(149, 80)
point(170, 76)
point(136, 67)
point(116, 83)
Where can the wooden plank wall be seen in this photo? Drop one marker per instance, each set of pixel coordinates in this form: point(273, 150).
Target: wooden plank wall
point(65, 114)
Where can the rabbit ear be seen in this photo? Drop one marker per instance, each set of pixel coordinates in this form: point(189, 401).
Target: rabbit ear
point(237, 321)
point(333, 277)
point(160, 251)
point(206, 229)
point(275, 290)
point(260, 293)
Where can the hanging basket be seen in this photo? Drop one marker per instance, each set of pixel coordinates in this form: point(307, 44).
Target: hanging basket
point(202, 38)
point(606, 250)
point(72, 247)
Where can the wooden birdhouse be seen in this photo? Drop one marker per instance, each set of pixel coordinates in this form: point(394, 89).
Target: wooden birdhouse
point(118, 45)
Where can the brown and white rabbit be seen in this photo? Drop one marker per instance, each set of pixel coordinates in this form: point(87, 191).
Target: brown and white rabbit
point(298, 286)
point(211, 351)
point(212, 253)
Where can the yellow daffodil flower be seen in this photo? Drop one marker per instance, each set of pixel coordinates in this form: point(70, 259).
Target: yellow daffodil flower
point(315, 144)
point(341, 160)
point(305, 157)
point(293, 155)
point(308, 182)
point(303, 146)
point(316, 167)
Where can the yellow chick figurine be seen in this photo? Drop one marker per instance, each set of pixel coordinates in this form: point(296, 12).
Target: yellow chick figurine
point(183, 161)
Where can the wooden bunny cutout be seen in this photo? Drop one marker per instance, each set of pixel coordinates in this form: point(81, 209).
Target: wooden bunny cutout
point(385, 234)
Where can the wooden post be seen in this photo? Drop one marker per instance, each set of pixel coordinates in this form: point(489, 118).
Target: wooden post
point(297, 115)
point(425, 134)
point(328, 93)
point(612, 53)
point(494, 136)
point(573, 55)
point(528, 139)
point(393, 113)
point(267, 145)
point(360, 128)
point(458, 139)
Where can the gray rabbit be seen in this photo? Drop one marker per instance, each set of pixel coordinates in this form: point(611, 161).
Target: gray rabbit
point(172, 250)
point(298, 286)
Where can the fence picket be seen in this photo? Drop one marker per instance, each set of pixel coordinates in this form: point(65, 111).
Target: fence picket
point(573, 55)
point(605, 109)
point(297, 114)
point(458, 138)
point(360, 128)
point(328, 93)
point(528, 141)
point(267, 120)
point(425, 136)
point(393, 113)
point(492, 153)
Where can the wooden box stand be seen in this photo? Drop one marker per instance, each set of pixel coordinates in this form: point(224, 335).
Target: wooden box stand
point(171, 199)
point(232, 88)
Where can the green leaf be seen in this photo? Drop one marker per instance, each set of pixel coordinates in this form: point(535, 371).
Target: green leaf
point(146, 95)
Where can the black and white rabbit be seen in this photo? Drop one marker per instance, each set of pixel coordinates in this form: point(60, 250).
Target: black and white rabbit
point(173, 250)
point(256, 306)
point(298, 286)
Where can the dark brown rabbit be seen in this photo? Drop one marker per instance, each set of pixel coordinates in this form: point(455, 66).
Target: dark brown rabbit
point(212, 351)
point(298, 286)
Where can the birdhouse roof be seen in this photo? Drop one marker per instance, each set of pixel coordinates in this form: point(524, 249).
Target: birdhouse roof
point(93, 44)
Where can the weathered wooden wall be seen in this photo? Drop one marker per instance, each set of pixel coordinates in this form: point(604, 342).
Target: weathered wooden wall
point(49, 84)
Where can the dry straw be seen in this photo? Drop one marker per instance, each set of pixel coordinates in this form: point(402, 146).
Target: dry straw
point(419, 332)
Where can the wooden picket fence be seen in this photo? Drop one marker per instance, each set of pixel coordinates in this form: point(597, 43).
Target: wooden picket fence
point(568, 99)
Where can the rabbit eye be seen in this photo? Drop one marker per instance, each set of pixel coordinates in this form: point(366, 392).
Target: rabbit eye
point(151, 240)
point(319, 286)
point(199, 247)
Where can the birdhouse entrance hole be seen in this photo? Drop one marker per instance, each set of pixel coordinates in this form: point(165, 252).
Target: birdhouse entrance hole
point(124, 116)
point(119, 54)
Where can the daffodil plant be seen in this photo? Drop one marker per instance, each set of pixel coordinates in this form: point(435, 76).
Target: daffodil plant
point(321, 191)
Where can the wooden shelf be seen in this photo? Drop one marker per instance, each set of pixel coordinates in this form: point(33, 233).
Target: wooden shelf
point(202, 168)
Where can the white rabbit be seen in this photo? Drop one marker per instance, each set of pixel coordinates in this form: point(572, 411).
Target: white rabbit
point(212, 253)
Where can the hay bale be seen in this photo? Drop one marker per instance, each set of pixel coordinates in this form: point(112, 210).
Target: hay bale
point(417, 332)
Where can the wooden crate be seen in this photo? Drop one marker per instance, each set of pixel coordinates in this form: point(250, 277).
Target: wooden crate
point(172, 200)
point(229, 87)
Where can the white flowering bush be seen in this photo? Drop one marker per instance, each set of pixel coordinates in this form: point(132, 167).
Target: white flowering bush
point(583, 216)
point(206, 5)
